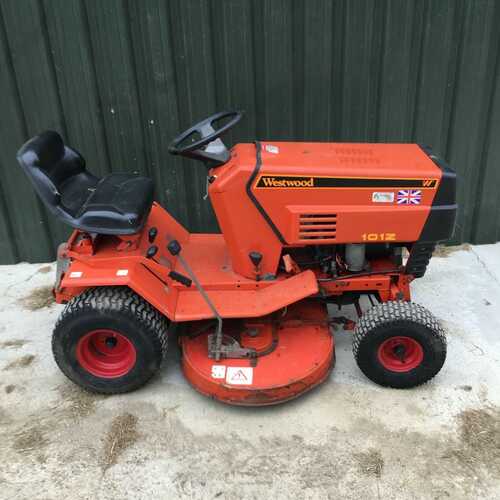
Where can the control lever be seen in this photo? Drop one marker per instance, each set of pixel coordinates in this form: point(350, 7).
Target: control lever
point(180, 278)
point(174, 247)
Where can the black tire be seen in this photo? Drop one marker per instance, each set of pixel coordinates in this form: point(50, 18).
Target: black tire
point(393, 333)
point(141, 328)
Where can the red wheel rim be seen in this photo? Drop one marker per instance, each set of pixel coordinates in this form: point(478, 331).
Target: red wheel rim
point(106, 353)
point(400, 354)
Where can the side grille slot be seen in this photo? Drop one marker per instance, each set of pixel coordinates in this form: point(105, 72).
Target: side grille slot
point(317, 227)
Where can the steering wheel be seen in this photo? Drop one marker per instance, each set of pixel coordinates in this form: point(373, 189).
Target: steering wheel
point(202, 141)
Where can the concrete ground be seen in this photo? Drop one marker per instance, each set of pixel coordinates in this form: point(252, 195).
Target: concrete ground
point(347, 439)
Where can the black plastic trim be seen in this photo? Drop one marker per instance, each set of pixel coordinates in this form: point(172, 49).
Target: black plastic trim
point(440, 223)
point(446, 191)
point(258, 206)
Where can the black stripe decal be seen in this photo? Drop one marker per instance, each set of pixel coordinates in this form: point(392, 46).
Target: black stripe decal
point(291, 182)
point(254, 200)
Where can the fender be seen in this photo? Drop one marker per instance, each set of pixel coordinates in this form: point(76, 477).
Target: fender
point(150, 280)
point(150, 283)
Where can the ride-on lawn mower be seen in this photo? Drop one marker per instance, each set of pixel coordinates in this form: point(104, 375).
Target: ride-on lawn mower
point(304, 225)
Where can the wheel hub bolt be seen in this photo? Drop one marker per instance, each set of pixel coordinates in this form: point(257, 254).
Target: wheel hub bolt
point(111, 342)
point(400, 352)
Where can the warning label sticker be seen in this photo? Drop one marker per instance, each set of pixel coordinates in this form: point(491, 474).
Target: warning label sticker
point(237, 375)
point(218, 371)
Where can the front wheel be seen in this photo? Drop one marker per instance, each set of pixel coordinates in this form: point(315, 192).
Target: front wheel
point(109, 340)
point(399, 344)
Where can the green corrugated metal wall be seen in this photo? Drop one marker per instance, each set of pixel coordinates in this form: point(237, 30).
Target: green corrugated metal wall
point(120, 78)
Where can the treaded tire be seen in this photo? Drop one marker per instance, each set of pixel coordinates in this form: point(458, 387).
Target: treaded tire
point(121, 310)
point(393, 320)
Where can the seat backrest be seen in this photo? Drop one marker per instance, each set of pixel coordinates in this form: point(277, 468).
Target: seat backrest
point(49, 163)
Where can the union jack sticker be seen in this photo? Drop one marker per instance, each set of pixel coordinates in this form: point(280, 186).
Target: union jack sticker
point(409, 197)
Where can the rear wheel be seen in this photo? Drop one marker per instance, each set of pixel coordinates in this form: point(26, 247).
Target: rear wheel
point(399, 344)
point(109, 340)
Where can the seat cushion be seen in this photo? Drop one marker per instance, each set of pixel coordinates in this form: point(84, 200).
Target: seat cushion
point(75, 191)
point(119, 204)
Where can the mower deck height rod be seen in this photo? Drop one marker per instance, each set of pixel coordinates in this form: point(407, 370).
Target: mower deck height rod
point(174, 248)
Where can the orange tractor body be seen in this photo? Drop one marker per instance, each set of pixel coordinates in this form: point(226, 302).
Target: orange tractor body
point(302, 225)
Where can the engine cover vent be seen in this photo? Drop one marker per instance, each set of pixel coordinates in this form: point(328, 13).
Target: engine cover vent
point(320, 228)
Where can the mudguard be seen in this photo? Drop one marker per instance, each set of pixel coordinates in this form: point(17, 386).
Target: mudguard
point(179, 303)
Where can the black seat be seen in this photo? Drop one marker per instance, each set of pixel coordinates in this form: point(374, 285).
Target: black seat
point(115, 204)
